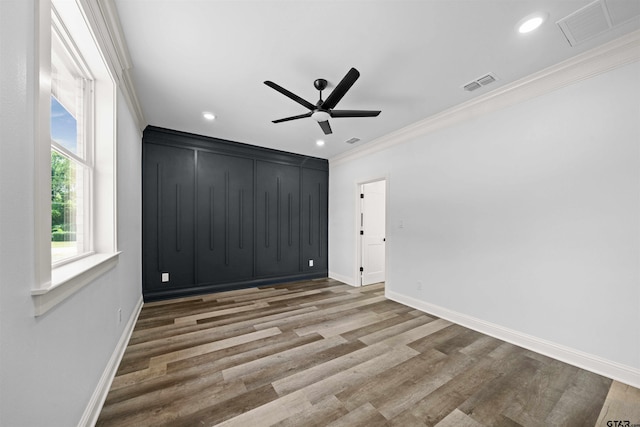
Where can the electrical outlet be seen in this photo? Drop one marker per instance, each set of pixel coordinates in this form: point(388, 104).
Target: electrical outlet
point(310, 263)
point(165, 277)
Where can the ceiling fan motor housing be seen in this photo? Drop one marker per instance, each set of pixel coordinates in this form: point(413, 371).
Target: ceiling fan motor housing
point(320, 84)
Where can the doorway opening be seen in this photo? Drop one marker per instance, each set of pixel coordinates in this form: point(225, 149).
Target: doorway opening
point(372, 232)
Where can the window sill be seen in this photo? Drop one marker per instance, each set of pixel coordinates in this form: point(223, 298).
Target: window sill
point(70, 278)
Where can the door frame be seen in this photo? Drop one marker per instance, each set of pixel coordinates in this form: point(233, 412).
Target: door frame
point(357, 219)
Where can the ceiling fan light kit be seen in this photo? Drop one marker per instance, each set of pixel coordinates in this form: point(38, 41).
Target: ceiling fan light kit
point(323, 110)
point(320, 116)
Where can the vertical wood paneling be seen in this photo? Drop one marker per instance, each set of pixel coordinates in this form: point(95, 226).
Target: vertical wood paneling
point(282, 183)
point(320, 216)
point(289, 219)
point(178, 219)
point(314, 222)
point(240, 219)
point(160, 235)
point(194, 219)
point(211, 218)
point(310, 226)
point(168, 226)
point(266, 219)
point(230, 220)
point(278, 221)
point(226, 218)
point(201, 234)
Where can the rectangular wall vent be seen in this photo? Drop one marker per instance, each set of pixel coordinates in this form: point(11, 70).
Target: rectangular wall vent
point(596, 18)
point(479, 82)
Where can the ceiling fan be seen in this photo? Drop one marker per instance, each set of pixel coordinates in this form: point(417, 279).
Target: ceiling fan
point(322, 111)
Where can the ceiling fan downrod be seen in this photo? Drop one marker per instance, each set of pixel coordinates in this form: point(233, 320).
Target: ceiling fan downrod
point(320, 84)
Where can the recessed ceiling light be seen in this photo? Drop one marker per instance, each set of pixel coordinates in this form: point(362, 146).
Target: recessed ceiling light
point(320, 143)
point(208, 116)
point(530, 23)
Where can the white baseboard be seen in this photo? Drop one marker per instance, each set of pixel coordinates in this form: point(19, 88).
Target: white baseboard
point(344, 279)
point(616, 371)
point(92, 411)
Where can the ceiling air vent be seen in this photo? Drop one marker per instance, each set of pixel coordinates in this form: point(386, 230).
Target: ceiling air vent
point(486, 80)
point(479, 82)
point(352, 140)
point(596, 18)
point(621, 11)
point(472, 86)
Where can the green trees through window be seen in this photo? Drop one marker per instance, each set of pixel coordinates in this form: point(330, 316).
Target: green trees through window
point(62, 199)
point(67, 180)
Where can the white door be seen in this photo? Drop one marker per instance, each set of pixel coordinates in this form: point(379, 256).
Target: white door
point(372, 231)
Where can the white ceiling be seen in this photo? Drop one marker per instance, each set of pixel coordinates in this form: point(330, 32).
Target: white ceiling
point(191, 56)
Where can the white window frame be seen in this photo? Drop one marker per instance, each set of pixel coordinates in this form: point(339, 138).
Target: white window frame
point(54, 284)
point(84, 120)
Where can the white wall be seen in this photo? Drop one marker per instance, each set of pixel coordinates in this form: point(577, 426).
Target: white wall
point(51, 365)
point(527, 217)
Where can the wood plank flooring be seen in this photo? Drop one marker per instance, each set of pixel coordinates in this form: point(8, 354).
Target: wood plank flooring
point(322, 353)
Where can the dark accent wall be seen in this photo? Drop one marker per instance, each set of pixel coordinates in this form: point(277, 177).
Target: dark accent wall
point(221, 215)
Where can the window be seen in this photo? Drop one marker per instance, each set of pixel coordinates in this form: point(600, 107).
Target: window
point(71, 151)
point(75, 156)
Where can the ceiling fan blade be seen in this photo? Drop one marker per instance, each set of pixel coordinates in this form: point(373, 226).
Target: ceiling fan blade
point(353, 113)
point(286, 119)
point(291, 95)
point(326, 128)
point(341, 89)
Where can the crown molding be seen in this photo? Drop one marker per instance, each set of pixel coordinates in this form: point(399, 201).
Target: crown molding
point(102, 17)
point(604, 58)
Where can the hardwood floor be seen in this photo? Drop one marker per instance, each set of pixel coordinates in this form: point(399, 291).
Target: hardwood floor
point(322, 353)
